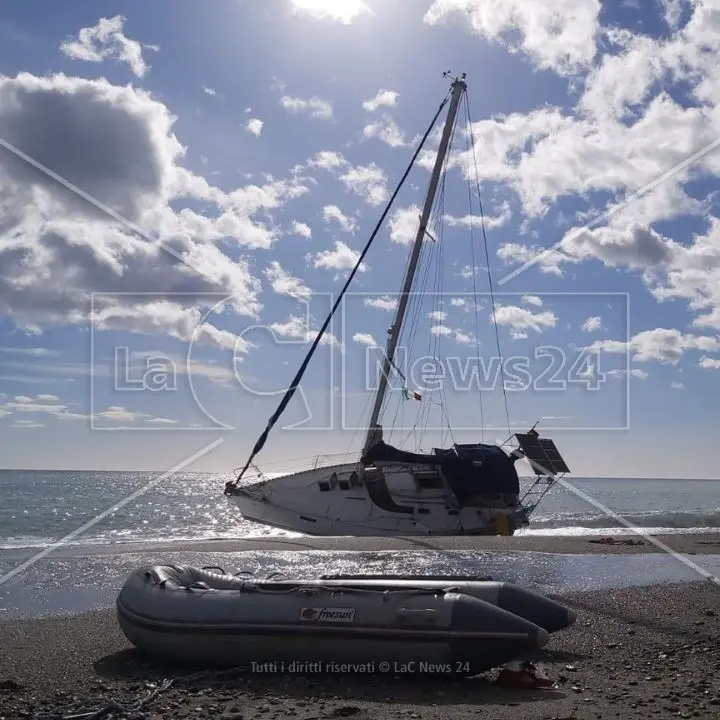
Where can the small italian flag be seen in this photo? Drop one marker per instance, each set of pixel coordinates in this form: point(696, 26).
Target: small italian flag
point(411, 394)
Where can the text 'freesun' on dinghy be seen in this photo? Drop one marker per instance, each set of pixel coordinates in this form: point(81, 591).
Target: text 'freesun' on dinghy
point(447, 626)
point(466, 489)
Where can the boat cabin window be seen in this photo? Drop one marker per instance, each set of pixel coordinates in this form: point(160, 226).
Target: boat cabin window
point(342, 483)
point(428, 479)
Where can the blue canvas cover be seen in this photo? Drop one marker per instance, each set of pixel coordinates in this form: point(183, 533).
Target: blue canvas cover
point(470, 470)
point(478, 469)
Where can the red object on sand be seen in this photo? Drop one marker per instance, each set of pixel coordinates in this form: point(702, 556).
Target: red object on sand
point(525, 675)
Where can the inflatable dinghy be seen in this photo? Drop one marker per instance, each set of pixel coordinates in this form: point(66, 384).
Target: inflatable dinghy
point(204, 617)
point(538, 609)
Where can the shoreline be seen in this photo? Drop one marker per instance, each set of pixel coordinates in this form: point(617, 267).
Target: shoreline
point(632, 653)
point(691, 544)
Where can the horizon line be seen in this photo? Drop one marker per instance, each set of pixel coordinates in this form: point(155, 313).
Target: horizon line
point(221, 472)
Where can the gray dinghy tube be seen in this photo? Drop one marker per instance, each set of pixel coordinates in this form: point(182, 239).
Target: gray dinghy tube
point(543, 611)
point(200, 617)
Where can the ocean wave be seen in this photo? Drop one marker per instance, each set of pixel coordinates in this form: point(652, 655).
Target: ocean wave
point(579, 531)
point(671, 520)
point(559, 524)
point(21, 543)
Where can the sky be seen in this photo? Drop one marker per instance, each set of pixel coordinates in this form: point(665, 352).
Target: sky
point(184, 190)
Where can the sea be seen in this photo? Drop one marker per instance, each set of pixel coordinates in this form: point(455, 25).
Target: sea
point(164, 521)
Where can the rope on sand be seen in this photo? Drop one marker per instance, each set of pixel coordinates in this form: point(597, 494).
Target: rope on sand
point(107, 708)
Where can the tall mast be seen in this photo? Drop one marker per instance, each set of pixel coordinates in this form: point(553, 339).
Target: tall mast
point(458, 87)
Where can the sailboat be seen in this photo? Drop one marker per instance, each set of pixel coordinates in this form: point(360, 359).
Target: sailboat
point(466, 489)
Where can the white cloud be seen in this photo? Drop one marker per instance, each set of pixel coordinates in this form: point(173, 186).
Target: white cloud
point(463, 338)
point(438, 315)
point(523, 319)
point(48, 405)
point(592, 324)
point(634, 247)
point(254, 126)
point(285, 284)
point(453, 333)
point(404, 223)
point(480, 221)
point(677, 386)
point(547, 154)
point(341, 258)
point(382, 303)
point(516, 253)
point(328, 160)
point(106, 41)
point(368, 182)
point(209, 91)
point(315, 107)
point(119, 414)
point(532, 300)
point(626, 133)
point(26, 424)
point(332, 213)
point(301, 229)
point(673, 12)
point(365, 339)
point(136, 365)
point(661, 344)
point(637, 373)
point(559, 35)
point(22, 405)
point(384, 98)
point(254, 198)
point(386, 130)
point(693, 274)
point(622, 79)
point(344, 11)
point(35, 352)
point(708, 363)
point(298, 327)
point(60, 248)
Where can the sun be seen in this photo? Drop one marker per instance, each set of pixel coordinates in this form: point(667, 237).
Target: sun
point(344, 11)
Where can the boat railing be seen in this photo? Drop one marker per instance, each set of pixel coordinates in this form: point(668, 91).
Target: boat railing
point(276, 469)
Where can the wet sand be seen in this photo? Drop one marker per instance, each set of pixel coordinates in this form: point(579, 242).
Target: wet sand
point(703, 544)
point(650, 652)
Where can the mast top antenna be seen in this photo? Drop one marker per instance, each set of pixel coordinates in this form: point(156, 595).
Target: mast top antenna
point(448, 74)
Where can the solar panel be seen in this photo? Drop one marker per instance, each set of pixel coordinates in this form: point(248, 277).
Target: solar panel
point(544, 457)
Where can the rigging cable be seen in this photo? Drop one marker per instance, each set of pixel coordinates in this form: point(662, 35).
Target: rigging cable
point(487, 261)
point(298, 377)
point(443, 395)
point(433, 350)
point(435, 339)
point(475, 297)
point(417, 305)
point(413, 314)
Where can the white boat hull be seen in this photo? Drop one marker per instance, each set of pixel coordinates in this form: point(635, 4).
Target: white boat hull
point(331, 501)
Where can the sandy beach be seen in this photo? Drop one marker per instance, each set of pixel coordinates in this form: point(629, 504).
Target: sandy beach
point(689, 544)
point(706, 544)
point(633, 653)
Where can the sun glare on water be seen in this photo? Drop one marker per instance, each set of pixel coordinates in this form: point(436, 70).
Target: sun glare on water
point(343, 10)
